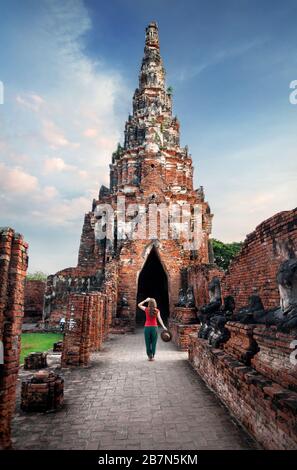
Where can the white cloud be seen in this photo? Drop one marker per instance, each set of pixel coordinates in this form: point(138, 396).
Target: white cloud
point(31, 101)
point(91, 133)
point(16, 180)
point(53, 135)
point(50, 192)
point(60, 127)
point(56, 164)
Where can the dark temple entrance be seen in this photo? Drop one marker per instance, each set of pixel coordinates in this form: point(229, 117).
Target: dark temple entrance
point(153, 282)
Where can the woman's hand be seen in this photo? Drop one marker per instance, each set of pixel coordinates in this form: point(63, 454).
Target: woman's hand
point(147, 299)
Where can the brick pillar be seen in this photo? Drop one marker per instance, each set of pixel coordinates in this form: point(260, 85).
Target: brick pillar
point(96, 312)
point(83, 329)
point(13, 267)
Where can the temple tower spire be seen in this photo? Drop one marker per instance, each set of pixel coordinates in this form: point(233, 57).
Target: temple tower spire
point(152, 133)
point(152, 73)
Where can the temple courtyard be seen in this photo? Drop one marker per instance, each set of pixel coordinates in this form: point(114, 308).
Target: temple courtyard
point(122, 401)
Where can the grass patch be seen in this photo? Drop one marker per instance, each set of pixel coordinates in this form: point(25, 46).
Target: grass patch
point(37, 342)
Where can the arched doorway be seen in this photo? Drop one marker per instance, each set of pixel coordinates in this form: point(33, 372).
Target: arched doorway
point(153, 282)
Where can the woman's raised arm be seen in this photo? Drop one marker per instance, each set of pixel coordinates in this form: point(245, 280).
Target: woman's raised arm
point(140, 305)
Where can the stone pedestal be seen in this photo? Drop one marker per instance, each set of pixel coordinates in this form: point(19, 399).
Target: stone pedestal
point(35, 360)
point(182, 324)
point(241, 344)
point(276, 358)
point(58, 347)
point(123, 323)
point(44, 391)
point(185, 315)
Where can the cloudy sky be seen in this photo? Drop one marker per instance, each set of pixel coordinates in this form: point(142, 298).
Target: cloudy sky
point(69, 68)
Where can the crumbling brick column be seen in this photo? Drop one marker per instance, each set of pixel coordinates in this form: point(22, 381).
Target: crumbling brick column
point(13, 267)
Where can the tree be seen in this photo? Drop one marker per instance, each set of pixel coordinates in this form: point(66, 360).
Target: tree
point(36, 276)
point(225, 252)
point(170, 90)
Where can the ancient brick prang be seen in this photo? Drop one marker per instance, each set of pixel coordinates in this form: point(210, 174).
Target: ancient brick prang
point(13, 267)
point(151, 172)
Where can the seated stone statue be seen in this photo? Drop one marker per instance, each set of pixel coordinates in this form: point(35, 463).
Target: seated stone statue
point(124, 301)
point(218, 333)
point(190, 300)
point(213, 307)
point(248, 314)
point(287, 283)
point(182, 299)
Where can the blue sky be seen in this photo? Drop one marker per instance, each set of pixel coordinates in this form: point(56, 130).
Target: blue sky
point(69, 70)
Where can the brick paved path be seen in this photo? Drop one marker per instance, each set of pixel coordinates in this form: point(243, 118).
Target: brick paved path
point(122, 401)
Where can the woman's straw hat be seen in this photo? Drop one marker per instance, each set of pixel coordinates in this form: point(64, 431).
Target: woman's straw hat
point(166, 336)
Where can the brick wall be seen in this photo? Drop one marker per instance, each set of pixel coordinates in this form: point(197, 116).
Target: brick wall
point(265, 408)
point(34, 297)
point(13, 267)
point(254, 269)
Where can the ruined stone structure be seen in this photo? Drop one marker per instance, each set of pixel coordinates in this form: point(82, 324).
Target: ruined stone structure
point(13, 267)
point(151, 170)
point(209, 312)
point(254, 370)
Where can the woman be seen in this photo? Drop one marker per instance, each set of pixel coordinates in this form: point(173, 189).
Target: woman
point(152, 314)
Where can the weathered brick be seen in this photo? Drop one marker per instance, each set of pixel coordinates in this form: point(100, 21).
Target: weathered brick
point(13, 267)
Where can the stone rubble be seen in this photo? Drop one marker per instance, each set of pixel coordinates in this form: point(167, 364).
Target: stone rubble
point(44, 391)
